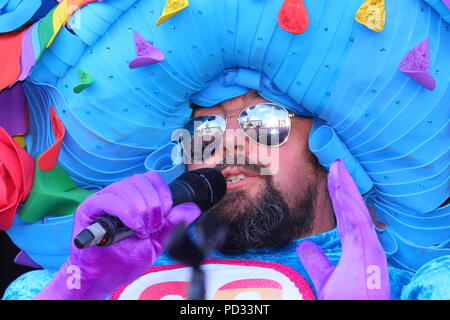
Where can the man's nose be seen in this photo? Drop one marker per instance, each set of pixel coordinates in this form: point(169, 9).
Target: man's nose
point(234, 137)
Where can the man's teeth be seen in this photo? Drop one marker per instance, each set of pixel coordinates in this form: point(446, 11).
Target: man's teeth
point(234, 179)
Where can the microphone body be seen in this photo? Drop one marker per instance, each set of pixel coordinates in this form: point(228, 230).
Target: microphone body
point(204, 187)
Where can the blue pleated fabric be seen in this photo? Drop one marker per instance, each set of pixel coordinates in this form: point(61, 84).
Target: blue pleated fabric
point(46, 242)
point(16, 13)
point(392, 131)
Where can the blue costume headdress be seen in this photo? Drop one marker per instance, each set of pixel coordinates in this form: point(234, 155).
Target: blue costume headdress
point(391, 131)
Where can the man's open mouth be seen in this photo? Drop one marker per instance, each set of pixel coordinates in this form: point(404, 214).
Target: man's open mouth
point(236, 176)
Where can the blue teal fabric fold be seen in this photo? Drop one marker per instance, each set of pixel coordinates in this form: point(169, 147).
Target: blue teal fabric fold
point(167, 161)
point(238, 81)
point(441, 8)
point(47, 242)
point(16, 13)
point(327, 147)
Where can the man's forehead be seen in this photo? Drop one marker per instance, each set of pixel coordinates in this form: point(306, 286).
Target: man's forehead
point(200, 111)
point(243, 101)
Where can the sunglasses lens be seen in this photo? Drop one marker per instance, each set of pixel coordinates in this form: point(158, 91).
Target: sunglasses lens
point(201, 132)
point(267, 124)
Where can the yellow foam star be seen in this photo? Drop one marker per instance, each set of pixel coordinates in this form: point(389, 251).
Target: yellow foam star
point(62, 13)
point(60, 17)
point(171, 8)
point(372, 14)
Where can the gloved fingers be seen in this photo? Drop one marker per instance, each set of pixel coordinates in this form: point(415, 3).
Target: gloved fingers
point(161, 187)
point(157, 199)
point(184, 213)
point(356, 223)
point(340, 177)
point(147, 202)
point(109, 203)
point(98, 204)
point(316, 263)
point(360, 245)
point(129, 193)
point(353, 219)
point(348, 186)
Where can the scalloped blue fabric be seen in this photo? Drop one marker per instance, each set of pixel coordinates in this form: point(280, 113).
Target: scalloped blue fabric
point(389, 126)
point(441, 8)
point(327, 147)
point(47, 242)
point(15, 13)
point(238, 81)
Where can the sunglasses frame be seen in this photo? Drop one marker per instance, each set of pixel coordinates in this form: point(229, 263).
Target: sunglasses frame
point(290, 115)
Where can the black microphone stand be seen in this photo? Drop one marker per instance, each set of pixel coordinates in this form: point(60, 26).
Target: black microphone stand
point(180, 247)
point(197, 287)
point(211, 235)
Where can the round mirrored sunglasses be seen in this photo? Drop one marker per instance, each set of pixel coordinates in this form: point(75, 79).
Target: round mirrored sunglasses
point(266, 124)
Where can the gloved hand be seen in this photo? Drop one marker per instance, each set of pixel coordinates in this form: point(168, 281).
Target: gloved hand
point(362, 269)
point(144, 204)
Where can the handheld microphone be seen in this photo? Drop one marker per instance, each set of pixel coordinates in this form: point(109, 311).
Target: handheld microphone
point(205, 187)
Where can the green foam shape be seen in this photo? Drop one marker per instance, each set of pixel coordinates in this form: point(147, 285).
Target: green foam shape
point(85, 81)
point(46, 30)
point(53, 193)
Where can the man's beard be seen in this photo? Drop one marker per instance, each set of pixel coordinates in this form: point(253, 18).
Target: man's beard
point(266, 220)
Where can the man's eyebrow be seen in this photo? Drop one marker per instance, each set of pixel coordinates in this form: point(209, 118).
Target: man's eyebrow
point(196, 106)
point(253, 93)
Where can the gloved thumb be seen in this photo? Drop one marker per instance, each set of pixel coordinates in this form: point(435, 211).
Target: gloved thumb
point(315, 262)
point(183, 213)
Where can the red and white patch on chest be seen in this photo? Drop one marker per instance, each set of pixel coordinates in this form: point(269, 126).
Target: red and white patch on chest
point(224, 280)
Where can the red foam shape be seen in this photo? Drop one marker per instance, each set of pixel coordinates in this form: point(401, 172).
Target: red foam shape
point(10, 54)
point(16, 178)
point(49, 158)
point(293, 16)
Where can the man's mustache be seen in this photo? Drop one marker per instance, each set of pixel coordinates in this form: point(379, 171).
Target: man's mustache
point(247, 165)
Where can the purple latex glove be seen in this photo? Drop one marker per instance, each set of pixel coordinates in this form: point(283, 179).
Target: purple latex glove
point(144, 204)
point(362, 269)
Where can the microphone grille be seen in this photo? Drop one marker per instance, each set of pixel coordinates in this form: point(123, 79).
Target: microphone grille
point(208, 184)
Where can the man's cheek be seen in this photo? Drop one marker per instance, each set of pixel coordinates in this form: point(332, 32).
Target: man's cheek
point(267, 158)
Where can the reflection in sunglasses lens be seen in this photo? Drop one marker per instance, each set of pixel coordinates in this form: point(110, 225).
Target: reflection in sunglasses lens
point(267, 124)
